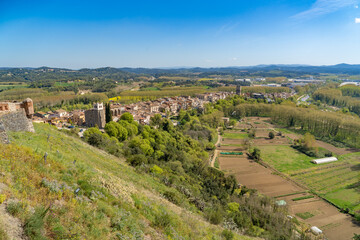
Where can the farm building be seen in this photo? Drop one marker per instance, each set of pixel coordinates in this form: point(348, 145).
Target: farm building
point(324, 160)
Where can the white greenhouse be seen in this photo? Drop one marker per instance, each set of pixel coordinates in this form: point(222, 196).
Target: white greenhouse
point(315, 230)
point(324, 160)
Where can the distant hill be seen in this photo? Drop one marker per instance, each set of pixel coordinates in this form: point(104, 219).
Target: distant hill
point(48, 73)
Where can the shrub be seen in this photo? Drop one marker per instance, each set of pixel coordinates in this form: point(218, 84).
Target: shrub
point(214, 215)
point(255, 154)
point(227, 234)
point(156, 169)
point(271, 135)
point(137, 160)
point(162, 219)
point(172, 197)
point(34, 224)
point(14, 208)
point(2, 198)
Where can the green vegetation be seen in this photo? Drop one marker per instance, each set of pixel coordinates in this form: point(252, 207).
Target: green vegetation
point(340, 97)
point(172, 154)
point(285, 158)
point(113, 201)
point(235, 135)
point(289, 194)
point(303, 198)
point(231, 153)
point(305, 215)
point(216, 163)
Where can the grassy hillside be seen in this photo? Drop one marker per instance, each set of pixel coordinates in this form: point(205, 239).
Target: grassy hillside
point(81, 192)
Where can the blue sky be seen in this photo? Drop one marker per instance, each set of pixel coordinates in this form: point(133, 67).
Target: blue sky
point(152, 33)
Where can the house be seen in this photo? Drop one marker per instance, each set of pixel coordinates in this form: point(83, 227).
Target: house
point(61, 113)
point(78, 117)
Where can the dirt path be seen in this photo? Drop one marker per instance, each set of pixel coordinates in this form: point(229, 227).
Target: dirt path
point(216, 152)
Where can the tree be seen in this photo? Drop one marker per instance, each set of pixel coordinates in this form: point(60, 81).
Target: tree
point(155, 120)
point(255, 154)
point(108, 115)
point(308, 142)
point(127, 117)
point(271, 135)
point(252, 133)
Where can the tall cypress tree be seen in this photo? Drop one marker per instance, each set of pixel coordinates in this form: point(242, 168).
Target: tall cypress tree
point(108, 116)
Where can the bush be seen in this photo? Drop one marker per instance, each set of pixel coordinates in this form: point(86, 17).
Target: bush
point(215, 216)
point(2, 198)
point(172, 197)
point(14, 208)
point(34, 224)
point(156, 169)
point(271, 135)
point(227, 234)
point(137, 160)
point(162, 219)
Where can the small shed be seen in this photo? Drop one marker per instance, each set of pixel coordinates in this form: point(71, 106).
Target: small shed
point(324, 160)
point(315, 230)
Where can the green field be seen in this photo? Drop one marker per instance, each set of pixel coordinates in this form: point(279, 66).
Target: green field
point(338, 182)
point(6, 87)
point(285, 158)
point(235, 135)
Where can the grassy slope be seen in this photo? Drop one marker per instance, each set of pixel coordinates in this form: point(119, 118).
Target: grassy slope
point(114, 200)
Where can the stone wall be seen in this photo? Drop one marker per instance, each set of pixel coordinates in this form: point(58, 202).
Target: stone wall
point(15, 122)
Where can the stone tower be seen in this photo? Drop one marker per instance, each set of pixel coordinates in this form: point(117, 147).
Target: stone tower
point(96, 116)
point(238, 90)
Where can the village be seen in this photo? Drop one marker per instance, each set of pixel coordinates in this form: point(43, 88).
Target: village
point(141, 111)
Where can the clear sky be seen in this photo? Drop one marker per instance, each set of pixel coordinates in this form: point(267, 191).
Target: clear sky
point(153, 33)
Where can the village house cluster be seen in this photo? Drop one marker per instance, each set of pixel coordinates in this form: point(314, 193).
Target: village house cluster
point(169, 106)
point(142, 111)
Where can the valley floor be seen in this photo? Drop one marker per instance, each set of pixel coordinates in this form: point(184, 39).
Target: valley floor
point(287, 174)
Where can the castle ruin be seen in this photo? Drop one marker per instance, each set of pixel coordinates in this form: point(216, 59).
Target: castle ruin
point(16, 117)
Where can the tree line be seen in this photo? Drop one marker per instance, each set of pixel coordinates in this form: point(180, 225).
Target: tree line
point(324, 125)
point(340, 98)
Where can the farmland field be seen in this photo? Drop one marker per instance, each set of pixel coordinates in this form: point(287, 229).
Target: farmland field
point(337, 182)
point(285, 158)
point(233, 135)
point(6, 87)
